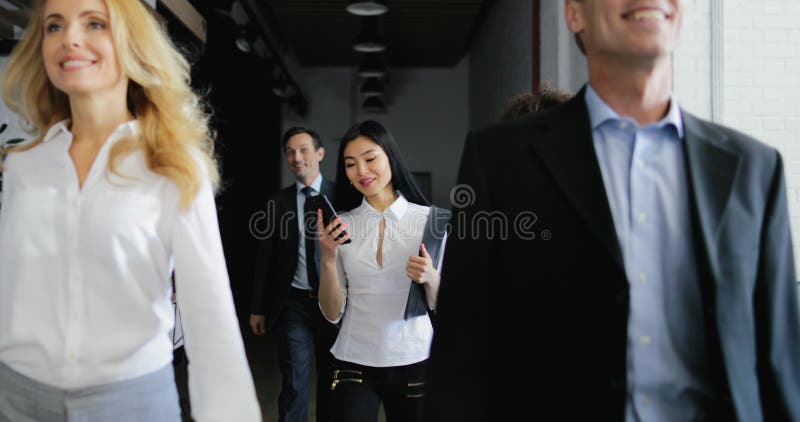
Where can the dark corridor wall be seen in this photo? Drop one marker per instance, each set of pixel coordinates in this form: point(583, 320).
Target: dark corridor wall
point(247, 119)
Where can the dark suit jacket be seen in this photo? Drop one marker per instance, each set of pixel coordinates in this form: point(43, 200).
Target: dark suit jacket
point(276, 261)
point(538, 327)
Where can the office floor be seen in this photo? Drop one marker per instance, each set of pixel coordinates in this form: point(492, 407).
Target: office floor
point(267, 377)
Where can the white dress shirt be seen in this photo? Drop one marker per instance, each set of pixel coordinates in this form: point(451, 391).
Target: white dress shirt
point(85, 278)
point(373, 331)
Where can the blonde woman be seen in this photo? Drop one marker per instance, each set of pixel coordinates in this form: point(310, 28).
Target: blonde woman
point(114, 192)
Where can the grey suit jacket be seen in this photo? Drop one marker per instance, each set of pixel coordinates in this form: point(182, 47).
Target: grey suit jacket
point(537, 325)
point(744, 226)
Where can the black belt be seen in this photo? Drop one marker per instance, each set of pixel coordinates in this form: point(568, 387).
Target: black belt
point(310, 294)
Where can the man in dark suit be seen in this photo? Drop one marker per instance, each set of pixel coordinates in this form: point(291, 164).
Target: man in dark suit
point(287, 280)
point(616, 258)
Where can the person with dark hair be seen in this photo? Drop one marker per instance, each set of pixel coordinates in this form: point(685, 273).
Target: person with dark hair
point(655, 280)
point(287, 279)
point(379, 355)
point(530, 102)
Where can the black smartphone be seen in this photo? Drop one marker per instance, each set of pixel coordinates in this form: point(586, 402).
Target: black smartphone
point(321, 201)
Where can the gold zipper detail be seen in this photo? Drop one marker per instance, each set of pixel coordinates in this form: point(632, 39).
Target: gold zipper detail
point(336, 382)
point(345, 371)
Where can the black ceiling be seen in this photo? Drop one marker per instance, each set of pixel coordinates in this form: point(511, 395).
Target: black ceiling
point(416, 32)
point(320, 32)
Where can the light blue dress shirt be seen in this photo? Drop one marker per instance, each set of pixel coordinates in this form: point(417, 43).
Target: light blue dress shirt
point(646, 181)
point(300, 280)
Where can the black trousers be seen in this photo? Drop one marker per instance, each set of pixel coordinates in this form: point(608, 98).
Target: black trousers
point(358, 391)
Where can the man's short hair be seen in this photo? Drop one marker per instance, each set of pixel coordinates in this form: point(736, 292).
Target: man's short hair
point(298, 130)
point(522, 104)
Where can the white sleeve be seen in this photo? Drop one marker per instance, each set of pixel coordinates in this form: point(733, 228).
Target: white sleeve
point(340, 274)
point(220, 383)
point(342, 283)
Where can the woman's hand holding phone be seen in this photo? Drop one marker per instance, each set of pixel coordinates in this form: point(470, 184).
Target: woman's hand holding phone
point(331, 236)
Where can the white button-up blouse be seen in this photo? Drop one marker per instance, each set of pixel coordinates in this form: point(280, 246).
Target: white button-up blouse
point(373, 331)
point(85, 277)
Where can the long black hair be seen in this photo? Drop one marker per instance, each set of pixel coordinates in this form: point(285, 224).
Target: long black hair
point(347, 197)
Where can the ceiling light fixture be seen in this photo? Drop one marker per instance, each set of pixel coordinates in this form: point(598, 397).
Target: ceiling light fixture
point(282, 88)
point(367, 7)
point(372, 87)
point(373, 65)
point(374, 105)
point(245, 38)
point(368, 40)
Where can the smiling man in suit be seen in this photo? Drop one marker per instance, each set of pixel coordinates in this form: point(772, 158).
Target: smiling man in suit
point(656, 281)
point(287, 280)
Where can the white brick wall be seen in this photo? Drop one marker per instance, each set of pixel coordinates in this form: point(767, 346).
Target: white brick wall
point(761, 70)
point(692, 61)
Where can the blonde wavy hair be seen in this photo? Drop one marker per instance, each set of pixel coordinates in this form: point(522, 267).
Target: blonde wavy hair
point(172, 120)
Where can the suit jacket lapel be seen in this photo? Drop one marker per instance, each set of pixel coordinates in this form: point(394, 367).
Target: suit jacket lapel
point(566, 148)
point(712, 171)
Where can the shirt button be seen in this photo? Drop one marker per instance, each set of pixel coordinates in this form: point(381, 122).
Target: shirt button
point(646, 401)
point(642, 217)
point(639, 163)
point(642, 278)
point(623, 124)
point(74, 316)
point(645, 340)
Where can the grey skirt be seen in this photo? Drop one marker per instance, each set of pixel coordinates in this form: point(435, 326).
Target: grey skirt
point(150, 397)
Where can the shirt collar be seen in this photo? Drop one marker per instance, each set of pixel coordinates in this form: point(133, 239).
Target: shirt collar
point(128, 128)
point(600, 112)
point(56, 129)
point(316, 184)
point(396, 210)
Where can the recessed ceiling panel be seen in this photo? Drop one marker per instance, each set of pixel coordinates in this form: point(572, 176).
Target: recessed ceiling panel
point(417, 33)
